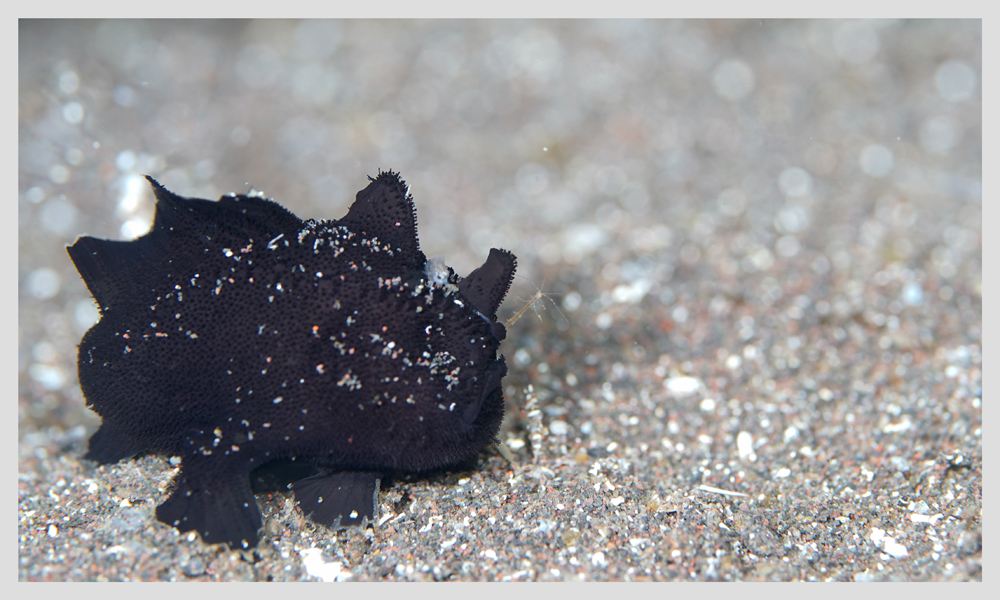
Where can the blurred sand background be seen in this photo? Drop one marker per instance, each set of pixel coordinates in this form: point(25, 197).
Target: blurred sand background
point(760, 355)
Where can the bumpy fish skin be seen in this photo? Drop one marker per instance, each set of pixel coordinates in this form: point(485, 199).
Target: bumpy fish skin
point(234, 335)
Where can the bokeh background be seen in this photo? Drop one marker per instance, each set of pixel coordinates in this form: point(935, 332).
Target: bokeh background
point(759, 242)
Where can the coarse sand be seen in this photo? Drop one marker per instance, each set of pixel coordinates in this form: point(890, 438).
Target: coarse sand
point(757, 350)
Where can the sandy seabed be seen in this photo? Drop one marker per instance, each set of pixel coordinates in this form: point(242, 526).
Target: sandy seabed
point(758, 355)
